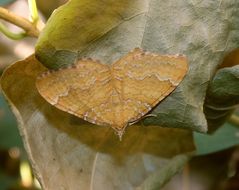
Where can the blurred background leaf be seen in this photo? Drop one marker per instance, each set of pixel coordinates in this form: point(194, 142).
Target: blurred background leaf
point(225, 137)
point(9, 134)
point(6, 2)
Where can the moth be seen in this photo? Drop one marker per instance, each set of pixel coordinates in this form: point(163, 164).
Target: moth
point(115, 95)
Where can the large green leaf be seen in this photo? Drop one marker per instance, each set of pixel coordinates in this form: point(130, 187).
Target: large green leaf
point(69, 153)
point(106, 30)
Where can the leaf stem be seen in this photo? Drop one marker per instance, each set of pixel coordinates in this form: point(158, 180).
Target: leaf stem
point(160, 177)
point(11, 35)
point(33, 10)
point(30, 29)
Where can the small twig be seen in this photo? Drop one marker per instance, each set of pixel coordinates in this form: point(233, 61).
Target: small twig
point(234, 119)
point(30, 28)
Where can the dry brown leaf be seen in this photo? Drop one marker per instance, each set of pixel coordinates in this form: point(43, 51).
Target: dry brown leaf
point(69, 153)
